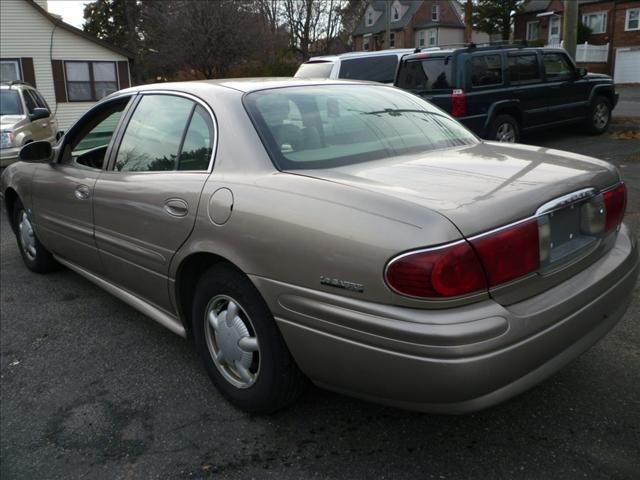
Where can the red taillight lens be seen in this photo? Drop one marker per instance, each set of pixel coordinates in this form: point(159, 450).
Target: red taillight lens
point(509, 253)
point(458, 103)
point(615, 202)
point(442, 272)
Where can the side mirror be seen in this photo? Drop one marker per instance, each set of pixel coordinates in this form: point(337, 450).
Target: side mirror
point(36, 152)
point(581, 72)
point(39, 113)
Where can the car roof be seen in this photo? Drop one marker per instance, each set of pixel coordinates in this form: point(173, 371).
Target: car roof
point(244, 85)
point(376, 53)
point(436, 51)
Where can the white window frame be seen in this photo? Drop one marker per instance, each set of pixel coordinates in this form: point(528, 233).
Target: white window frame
point(529, 25)
point(16, 62)
point(605, 17)
point(369, 17)
point(627, 18)
point(432, 38)
point(396, 14)
point(392, 39)
point(435, 13)
point(421, 36)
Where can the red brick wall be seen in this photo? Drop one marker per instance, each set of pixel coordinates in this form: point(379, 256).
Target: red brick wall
point(620, 37)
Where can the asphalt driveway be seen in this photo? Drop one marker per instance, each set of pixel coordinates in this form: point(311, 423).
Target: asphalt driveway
point(90, 388)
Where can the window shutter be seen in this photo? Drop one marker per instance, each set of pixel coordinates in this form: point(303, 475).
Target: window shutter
point(28, 74)
point(123, 74)
point(57, 67)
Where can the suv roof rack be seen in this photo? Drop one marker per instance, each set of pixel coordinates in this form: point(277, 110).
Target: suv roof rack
point(499, 44)
point(15, 82)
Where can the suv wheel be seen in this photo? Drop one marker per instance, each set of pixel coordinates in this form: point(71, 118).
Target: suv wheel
point(505, 129)
point(600, 115)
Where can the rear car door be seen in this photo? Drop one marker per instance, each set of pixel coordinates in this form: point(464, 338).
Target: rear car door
point(527, 87)
point(145, 203)
point(63, 190)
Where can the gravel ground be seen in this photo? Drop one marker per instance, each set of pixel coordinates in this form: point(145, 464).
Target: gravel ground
point(90, 388)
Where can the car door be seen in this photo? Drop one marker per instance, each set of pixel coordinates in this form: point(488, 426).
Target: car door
point(564, 100)
point(527, 87)
point(63, 190)
point(145, 203)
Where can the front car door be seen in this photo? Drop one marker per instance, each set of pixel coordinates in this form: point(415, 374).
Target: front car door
point(525, 78)
point(564, 99)
point(145, 203)
point(63, 190)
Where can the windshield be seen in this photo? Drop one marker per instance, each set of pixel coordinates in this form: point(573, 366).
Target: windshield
point(430, 74)
point(314, 70)
point(335, 125)
point(10, 103)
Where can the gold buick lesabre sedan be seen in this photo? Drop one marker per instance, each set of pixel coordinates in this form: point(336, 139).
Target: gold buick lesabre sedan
point(346, 233)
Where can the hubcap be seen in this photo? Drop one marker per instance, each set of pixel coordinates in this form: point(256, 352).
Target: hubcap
point(601, 116)
point(506, 133)
point(27, 237)
point(232, 341)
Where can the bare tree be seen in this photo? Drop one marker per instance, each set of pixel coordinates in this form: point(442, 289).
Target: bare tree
point(310, 22)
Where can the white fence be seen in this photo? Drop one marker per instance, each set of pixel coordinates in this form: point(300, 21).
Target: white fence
point(587, 53)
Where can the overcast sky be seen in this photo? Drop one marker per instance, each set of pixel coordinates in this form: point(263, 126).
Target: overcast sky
point(70, 10)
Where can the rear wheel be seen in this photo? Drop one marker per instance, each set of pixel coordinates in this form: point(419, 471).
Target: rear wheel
point(600, 116)
point(240, 344)
point(505, 128)
point(35, 256)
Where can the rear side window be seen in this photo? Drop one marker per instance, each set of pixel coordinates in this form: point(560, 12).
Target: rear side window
point(314, 70)
point(428, 74)
point(556, 66)
point(524, 68)
point(377, 69)
point(198, 142)
point(486, 70)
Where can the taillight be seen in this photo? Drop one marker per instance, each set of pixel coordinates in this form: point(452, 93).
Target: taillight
point(458, 103)
point(439, 272)
point(615, 201)
point(509, 252)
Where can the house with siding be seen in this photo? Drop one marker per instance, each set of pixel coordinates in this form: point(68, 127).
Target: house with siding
point(71, 68)
point(412, 23)
point(613, 47)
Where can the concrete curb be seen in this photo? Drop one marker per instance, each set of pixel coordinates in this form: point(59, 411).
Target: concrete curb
point(619, 124)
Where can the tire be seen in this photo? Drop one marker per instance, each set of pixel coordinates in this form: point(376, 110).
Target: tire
point(504, 128)
point(599, 116)
point(271, 380)
point(35, 256)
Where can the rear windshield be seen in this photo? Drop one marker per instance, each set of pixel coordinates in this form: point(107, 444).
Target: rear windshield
point(10, 103)
point(380, 68)
point(428, 74)
point(314, 70)
point(334, 125)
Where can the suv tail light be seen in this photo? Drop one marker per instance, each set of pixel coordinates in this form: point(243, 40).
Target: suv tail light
point(509, 252)
point(615, 201)
point(458, 103)
point(447, 271)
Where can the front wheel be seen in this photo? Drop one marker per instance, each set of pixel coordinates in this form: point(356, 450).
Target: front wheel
point(504, 128)
point(35, 256)
point(240, 344)
point(600, 116)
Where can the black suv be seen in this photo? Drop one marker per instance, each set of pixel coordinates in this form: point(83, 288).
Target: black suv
point(502, 91)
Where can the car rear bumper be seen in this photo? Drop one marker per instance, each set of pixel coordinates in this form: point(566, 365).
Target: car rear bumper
point(454, 360)
point(8, 156)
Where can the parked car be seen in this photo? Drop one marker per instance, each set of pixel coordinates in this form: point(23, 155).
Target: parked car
point(349, 233)
point(377, 66)
point(24, 117)
point(500, 92)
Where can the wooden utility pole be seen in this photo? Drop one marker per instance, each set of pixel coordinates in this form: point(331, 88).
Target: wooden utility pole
point(570, 27)
point(387, 42)
point(468, 21)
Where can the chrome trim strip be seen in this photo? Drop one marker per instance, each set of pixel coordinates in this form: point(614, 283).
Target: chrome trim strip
point(566, 200)
point(164, 319)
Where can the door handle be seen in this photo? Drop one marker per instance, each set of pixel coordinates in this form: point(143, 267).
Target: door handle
point(82, 192)
point(176, 207)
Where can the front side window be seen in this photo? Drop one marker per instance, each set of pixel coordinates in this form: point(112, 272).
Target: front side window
point(556, 66)
point(10, 70)
point(597, 22)
point(10, 103)
point(328, 126)
point(532, 30)
point(632, 19)
point(430, 74)
point(486, 70)
point(377, 69)
point(435, 13)
point(153, 140)
point(90, 81)
point(523, 68)
point(29, 101)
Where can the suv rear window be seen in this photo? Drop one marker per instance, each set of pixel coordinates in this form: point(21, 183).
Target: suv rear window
point(314, 70)
point(380, 68)
point(429, 74)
